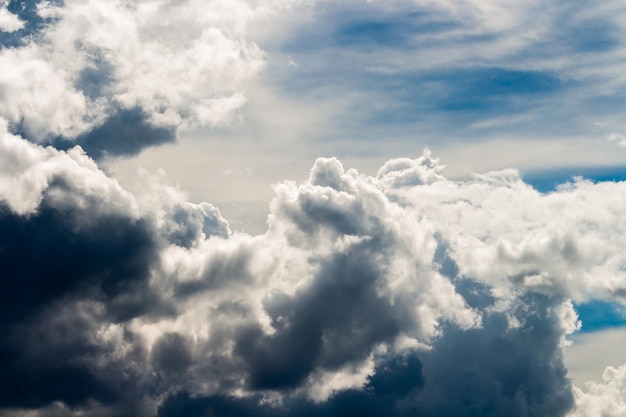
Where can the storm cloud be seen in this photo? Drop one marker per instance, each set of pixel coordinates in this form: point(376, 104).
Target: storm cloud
point(403, 294)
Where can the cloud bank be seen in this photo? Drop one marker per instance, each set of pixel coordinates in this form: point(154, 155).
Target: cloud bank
point(401, 294)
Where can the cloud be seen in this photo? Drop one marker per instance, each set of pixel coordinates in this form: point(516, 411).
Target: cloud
point(97, 248)
point(122, 69)
point(124, 133)
point(360, 292)
point(618, 138)
point(490, 376)
point(9, 22)
point(604, 398)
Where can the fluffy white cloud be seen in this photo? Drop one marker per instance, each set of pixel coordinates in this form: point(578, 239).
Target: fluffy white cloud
point(31, 90)
point(70, 178)
point(606, 398)
point(181, 64)
point(502, 231)
point(8, 21)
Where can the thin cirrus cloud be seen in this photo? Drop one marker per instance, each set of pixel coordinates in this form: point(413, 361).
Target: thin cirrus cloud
point(475, 70)
point(399, 293)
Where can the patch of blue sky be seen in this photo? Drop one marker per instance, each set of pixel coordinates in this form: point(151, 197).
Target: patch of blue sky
point(464, 94)
point(595, 36)
point(393, 32)
point(548, 180)
point(600, 315)
point(580, 33)
point(479, 89)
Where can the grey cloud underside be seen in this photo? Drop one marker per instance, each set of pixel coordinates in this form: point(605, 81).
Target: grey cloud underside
point(61, 279)
point(124, 133)
point(339, 320)
point(493, 371)
point(47, 257)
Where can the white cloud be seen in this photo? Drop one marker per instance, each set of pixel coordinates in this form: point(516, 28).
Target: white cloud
point(32, 89)
point(618, 138)
point(29, 171)
point(606, 398)
point(182, 64)
point(8, 21)
point(504, 232)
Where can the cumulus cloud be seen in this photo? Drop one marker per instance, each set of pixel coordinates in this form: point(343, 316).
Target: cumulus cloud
point(605, 398)
point(96, 248)
point(128, 74)
point(9, 22)
point(357, 297)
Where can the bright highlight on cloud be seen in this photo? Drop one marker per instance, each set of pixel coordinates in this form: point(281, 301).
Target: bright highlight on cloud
point(403, 293)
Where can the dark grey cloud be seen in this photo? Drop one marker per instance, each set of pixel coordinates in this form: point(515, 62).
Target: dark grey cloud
point(171, 355)
point(78, 269)
point(49, 358)
point(385, 394)
point(47, 256)
point(337, 321)
point(492, 371)
point(62, 279)
point(125, 133)
point(500, 369)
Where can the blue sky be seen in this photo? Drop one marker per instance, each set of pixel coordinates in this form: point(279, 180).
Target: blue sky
point(368, 82)
point(312, 207)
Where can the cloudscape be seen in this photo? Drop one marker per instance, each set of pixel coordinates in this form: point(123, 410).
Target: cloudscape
point(312, 208)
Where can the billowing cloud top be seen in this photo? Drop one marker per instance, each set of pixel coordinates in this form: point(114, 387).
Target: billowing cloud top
point(400, 294)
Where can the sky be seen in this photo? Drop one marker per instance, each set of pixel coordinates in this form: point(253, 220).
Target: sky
point(312, 208)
